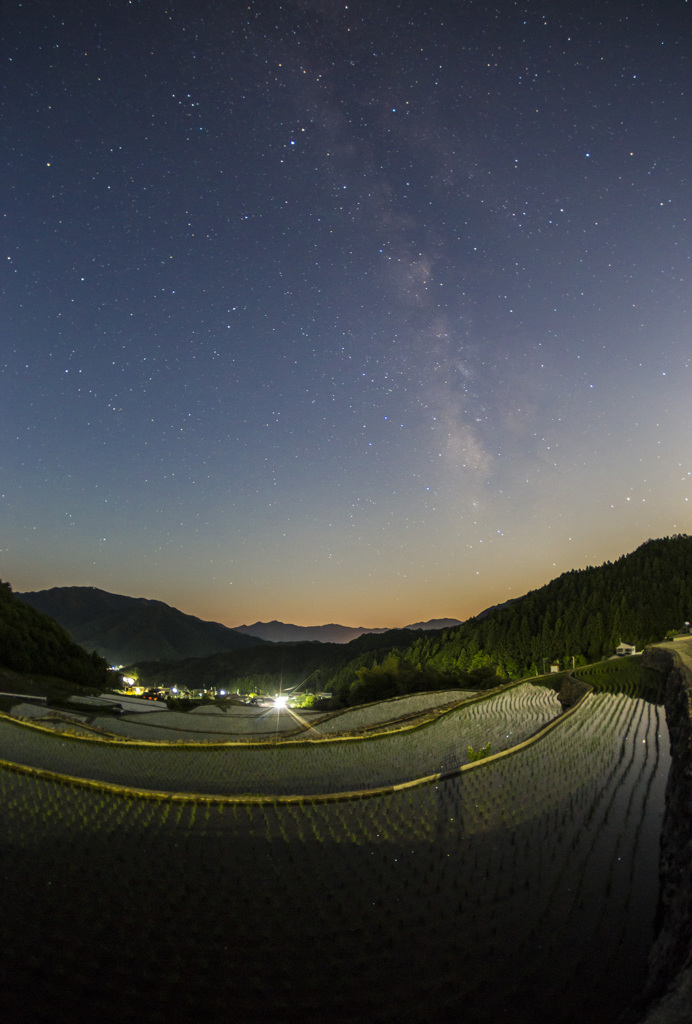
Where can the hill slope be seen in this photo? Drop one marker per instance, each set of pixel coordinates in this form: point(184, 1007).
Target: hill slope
point(128, 629)
point(34, 643)
point(272, 666)
point(435, 624)
point(581, 616)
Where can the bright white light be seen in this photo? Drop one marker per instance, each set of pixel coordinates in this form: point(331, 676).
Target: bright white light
point(281, 702)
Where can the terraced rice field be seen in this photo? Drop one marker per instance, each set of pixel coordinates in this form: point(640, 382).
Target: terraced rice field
point(368, 715)
point(521, 889)
point(199, 725)
point(303, 767)
point(252, 723)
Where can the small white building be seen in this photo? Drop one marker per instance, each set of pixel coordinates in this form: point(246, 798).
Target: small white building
point(624, 649)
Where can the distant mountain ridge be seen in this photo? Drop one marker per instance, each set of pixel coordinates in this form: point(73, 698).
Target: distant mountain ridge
point(124, 630)
point(287, 632)
point(332, 633)
point(579, 617)
point(435, 624)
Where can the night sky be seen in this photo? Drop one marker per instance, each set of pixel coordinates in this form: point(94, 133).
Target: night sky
point(366, 312)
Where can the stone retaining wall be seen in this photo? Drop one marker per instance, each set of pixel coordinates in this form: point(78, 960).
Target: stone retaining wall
point(668, 993)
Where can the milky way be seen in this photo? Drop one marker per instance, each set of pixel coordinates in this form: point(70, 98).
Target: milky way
point(358, 312)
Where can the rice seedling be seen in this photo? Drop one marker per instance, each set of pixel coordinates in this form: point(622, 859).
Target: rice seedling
point(461, 881)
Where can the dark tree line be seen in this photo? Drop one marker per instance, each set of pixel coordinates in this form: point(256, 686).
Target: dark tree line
point(583, 614)
point(578, 618)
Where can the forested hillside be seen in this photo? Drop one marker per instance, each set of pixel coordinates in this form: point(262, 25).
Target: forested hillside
point(34, 643)
point(271, 666)
point(578, 618)
point(583, 614)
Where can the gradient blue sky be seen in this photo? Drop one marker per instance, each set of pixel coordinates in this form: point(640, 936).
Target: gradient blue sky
point(367, 313)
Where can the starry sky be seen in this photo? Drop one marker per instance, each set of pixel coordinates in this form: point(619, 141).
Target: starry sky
point(356, 312)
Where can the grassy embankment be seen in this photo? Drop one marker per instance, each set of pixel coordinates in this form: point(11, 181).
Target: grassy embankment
point(626, 675)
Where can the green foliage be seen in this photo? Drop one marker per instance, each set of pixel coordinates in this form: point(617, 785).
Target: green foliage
point(304, 700)
point(478, 755)
point(34, 643)
point(398, 675)
point(578, 618)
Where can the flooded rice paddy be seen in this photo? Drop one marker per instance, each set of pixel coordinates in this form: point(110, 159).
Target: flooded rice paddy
point(522, 889)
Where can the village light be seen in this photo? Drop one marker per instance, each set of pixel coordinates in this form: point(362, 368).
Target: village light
point(281, 701)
